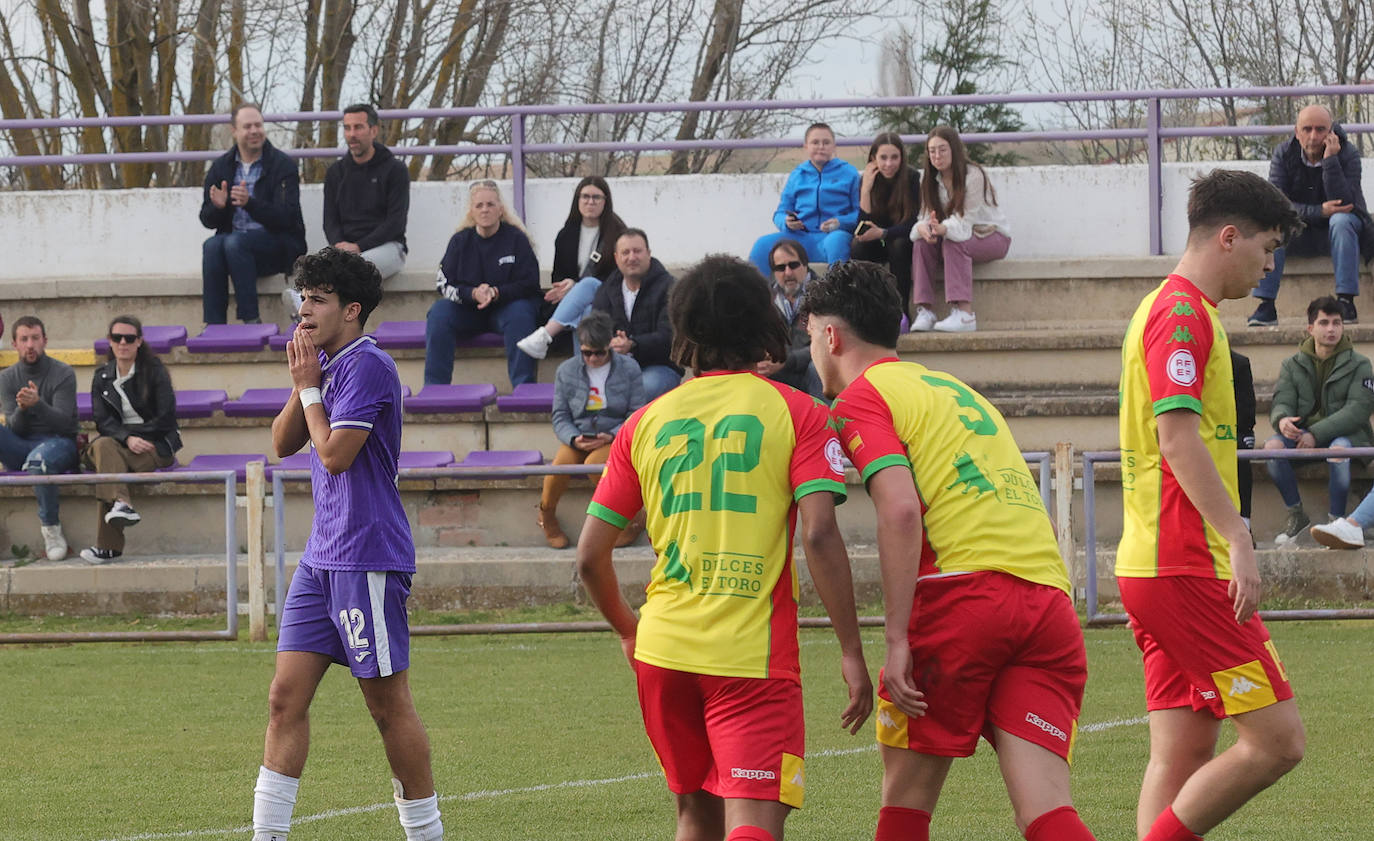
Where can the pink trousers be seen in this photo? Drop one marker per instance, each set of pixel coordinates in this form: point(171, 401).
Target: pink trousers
point(958, 259)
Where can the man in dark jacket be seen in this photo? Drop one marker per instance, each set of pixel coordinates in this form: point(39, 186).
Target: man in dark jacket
point(1323, 399)
point(367, 196)
point(791, 275)
point(636, 296)
point(252, 200)
point(1319, 171)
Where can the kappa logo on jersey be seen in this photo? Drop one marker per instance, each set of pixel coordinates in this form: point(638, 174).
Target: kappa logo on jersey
point(753, 774)
point(1182, 336)
point(1182, 367)
point(834, 454)
point(1241, 685)
point(1036, 721)
point(1183, 308)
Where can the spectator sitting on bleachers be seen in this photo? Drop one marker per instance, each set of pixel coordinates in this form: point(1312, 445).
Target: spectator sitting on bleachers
point(488, 282)
point(889, 199)
point(585, 249)
point(636, 296)
point(136, 415)
point(961, 225)
point(367, 196)
point(1323, 398)
point(38, 397)
point(791, 274)
point(594, 392)
point(819, 205)
point(253, 203)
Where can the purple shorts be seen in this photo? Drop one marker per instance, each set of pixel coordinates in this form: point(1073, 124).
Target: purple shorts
point(356, 618)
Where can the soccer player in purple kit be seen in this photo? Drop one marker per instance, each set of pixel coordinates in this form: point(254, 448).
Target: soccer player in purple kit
point(346, 603)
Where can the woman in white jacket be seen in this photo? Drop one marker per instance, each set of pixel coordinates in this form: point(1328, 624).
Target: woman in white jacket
point(961, 225)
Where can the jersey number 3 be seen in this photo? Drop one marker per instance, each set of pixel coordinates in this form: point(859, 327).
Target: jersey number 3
point(739, 462)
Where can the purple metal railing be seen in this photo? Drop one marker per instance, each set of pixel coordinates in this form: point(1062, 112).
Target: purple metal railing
point(1154, 133)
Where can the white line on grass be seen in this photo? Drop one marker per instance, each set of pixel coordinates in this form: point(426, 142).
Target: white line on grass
point(491, 794)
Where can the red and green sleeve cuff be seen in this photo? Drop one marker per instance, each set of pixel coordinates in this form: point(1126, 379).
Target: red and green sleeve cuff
point(601, 512)
point(881, 462)
point(1178, 401)
point(818, 485)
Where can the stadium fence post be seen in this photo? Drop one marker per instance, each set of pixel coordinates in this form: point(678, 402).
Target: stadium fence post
point(257, 580)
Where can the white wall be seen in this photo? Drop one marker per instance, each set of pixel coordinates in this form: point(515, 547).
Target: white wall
point(1054, 211)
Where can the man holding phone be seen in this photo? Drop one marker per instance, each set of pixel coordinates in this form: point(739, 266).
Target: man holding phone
point(252, 200)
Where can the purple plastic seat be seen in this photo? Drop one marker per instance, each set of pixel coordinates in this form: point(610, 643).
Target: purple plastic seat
point(527, 397)
point(501, 458)
point(442, 399)
point(400, 334)
point(278, 341)
point(237, 462)
point(231, 338)
point(200, 403)
point(158, 338)
point(425, 458)
point(83, 406)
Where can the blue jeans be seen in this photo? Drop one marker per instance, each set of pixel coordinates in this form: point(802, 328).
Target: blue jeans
point(576, 303)
point(1337, 483)
point(240, 256)
point(824, 248)
point(659, 380)
point(448, 322)
point(1364, 512)
point(41, 457)
point(1340, 238)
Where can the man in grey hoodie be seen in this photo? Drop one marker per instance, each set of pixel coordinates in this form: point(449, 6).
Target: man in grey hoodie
point(38, 397)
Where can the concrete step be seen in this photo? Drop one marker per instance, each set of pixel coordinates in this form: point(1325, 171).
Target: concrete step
point(479, 578)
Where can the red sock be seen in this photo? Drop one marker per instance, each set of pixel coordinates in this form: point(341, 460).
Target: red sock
point(897, 823)
point(1062, 824)
point(1167, 827)
point(749, 833)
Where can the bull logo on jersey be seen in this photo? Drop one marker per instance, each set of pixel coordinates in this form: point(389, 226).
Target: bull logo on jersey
point(968, 475)
point(673, 567)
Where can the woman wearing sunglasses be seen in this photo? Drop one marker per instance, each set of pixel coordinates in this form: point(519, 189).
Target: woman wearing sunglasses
point(136, 415)
point(594, 392)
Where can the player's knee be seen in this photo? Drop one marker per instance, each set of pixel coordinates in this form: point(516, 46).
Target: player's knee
point(285, 702)
point(1289, 749)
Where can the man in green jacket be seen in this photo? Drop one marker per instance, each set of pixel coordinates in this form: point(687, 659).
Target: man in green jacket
point(1324, 398)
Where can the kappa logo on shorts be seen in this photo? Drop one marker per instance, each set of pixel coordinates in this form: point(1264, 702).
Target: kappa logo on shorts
point(1033, 719)
point(752, 774)
point(885, 720)
point(1182, 367)
point(1242, 685)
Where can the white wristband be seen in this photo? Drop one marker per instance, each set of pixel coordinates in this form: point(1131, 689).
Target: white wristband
point(310, 396)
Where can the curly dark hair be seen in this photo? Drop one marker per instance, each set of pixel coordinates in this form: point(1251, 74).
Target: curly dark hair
point(723, 317)
point(1244, 199)
point(863, 295)
point(344, 273)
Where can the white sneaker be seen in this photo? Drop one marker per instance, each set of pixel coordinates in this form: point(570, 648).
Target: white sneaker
point(54, 543)
point(924, 321)
point(957, 321)
point(1339, 534)
point(536, 344)
point(293, 300)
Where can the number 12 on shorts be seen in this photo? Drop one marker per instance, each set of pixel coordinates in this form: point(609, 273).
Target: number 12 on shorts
point(354, 623)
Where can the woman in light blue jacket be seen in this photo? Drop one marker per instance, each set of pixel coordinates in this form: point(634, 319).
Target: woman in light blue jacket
point(594, 392)
point(819, 206)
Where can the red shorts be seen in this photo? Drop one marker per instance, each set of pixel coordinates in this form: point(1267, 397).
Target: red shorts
point(1195, 654)
point(991, 650)
point(733, 737)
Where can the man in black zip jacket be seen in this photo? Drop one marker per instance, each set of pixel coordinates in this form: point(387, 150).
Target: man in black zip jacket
point(636, 296)
point(252, 200)
point(367, 196)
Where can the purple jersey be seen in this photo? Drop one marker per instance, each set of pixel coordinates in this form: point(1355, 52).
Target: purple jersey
point(359, 522)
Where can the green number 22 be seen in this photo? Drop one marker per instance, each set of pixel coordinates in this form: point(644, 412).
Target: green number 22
point(740, 462)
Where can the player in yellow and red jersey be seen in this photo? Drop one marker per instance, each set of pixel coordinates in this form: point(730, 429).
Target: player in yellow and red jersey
point(721, 464)
point(1186, 565)
point(982, 637)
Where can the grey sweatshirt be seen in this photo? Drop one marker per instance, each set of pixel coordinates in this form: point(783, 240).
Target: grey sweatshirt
point(54, 415)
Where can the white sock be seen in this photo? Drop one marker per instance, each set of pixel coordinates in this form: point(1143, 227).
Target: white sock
point(274, 799)
point(419, 818)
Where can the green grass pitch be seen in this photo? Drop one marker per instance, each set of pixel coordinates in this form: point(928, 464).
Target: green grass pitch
point(538, 737)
